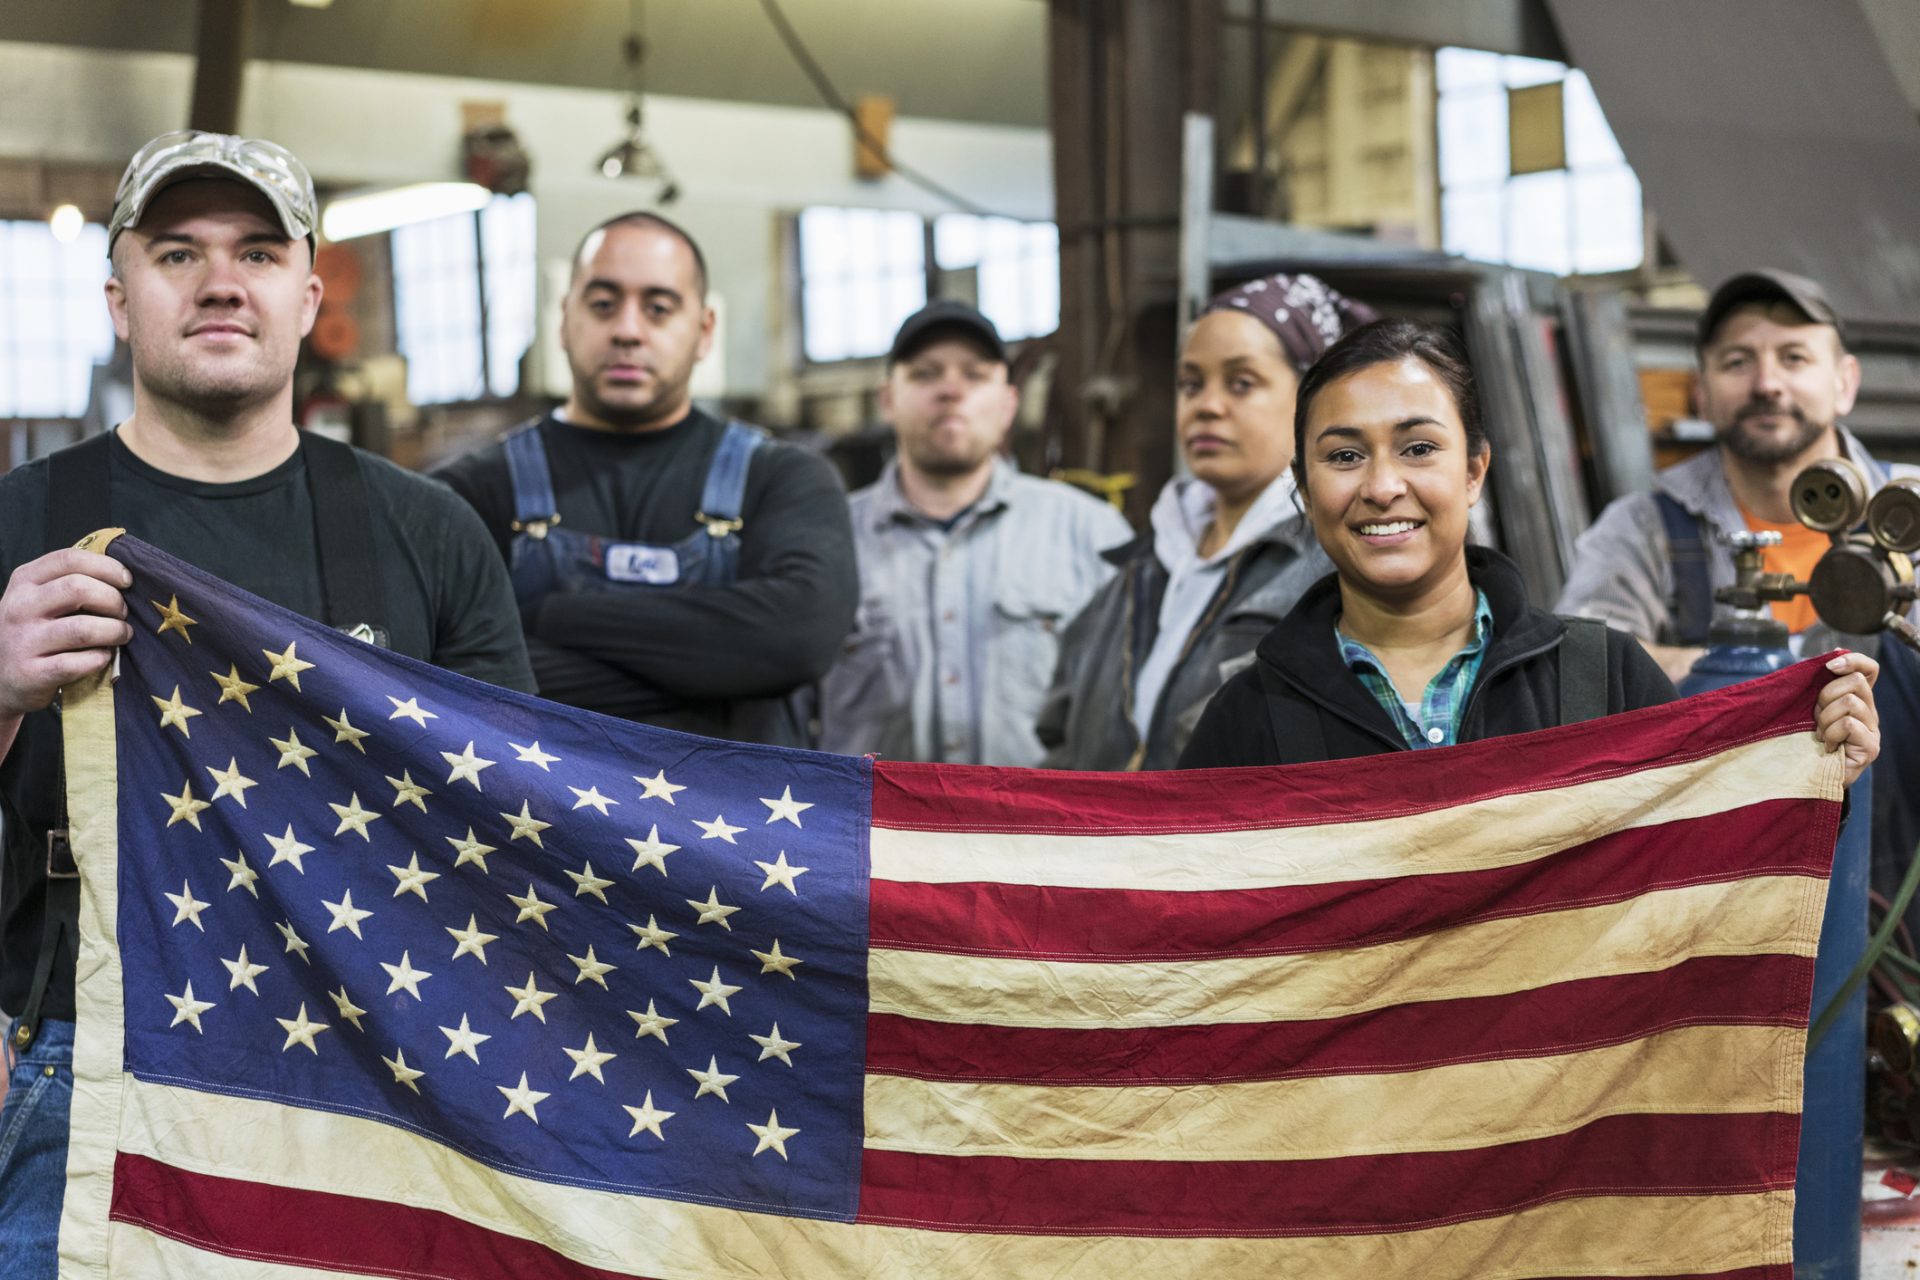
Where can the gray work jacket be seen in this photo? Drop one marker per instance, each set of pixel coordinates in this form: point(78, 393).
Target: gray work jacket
point(958, 629)
point(1623, 570)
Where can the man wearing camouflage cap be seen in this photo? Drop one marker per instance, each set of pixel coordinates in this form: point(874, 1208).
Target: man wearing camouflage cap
point(212, 289)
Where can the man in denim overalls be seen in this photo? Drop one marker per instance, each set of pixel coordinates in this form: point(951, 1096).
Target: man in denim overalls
point(670, 567)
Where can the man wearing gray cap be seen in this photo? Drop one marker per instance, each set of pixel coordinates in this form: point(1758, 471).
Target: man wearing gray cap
point(1775, 378)
point(212, 289)
point(969, 571)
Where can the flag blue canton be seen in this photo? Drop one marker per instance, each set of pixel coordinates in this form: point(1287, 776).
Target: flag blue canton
point(615, 956)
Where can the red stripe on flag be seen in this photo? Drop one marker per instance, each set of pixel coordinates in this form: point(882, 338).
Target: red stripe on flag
point(1052, 922)
point(1640, 1155)
point(931, 797)
point(1562, 1018)
point(243, 1219)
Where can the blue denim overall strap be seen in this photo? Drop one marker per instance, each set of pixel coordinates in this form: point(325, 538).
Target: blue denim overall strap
point(723, 497)
point(547, 557)
point(533, 501)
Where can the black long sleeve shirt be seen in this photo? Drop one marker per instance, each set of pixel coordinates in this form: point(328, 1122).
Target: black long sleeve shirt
point(682, 656)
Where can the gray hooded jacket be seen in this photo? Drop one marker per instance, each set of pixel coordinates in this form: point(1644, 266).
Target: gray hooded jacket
point(1087, 721)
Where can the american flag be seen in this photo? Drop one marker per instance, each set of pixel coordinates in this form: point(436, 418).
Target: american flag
point(390, 973)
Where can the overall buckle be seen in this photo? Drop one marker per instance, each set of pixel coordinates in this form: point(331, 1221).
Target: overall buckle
point(536, 529)
point(60, 863)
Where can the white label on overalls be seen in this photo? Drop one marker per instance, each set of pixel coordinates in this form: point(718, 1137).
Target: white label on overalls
point(631, 562)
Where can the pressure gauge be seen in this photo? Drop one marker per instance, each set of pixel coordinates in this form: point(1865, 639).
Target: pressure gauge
point(1893, 516)
point(1830, 496)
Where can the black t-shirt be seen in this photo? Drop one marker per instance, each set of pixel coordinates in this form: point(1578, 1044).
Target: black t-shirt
point(446, 597)
point(686, 657)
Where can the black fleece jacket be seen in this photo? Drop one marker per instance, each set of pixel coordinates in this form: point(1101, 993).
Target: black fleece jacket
point(1301, 693)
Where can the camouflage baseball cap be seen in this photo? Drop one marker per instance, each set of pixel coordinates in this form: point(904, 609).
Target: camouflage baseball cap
point(267, 167)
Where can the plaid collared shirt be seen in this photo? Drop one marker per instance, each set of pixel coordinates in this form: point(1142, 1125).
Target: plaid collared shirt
point(1436, 721)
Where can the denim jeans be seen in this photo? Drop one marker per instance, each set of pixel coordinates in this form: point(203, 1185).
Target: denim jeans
point(33, 1154)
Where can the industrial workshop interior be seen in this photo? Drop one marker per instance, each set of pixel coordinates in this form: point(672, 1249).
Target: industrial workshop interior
point(982, 563)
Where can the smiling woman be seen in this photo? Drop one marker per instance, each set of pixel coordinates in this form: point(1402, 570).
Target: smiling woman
point(1417, 639)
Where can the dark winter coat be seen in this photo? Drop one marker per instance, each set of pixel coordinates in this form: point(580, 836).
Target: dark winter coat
point(1301, 694)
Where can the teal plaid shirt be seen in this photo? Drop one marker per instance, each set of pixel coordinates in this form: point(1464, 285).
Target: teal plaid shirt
point(1436, 721)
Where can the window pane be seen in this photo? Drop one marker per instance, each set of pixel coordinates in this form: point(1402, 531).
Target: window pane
point(1539, 224)
point(436, 302)
point(823, 321)
point(1466, 69)
point(507, 230)
point(1474, 224)
point(862, 271)
point(1044, 315)
point(956, 241)
point(1590, 141)
point(1473, 137)
point(53, 319)
point(823, 242)
point(1608, 233)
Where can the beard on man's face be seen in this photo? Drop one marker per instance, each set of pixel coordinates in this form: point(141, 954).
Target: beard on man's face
point(1756, 445)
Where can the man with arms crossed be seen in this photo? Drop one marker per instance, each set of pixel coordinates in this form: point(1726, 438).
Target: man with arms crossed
point(670, 567)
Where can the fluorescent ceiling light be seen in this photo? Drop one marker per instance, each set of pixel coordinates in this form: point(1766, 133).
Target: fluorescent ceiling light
point(377, 211)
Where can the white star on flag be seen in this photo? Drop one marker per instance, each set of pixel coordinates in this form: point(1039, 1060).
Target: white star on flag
point(785, 809)
point(591, 799)
point(404, 1074)
point(657, 787)
point(187, 907)
point(587, 1060)
point(412, 879)
point(464, 1040)
point(410, 710)
point(772, 1045)
point(714, 990)
point(652, 1023)
point(188, 1010)
point(647, 1117)
point(534, 755)
point(522, 1099)
point(780, 872)
point(466, 766)
point(345, 914)
point(243, 971)
point(288, 848)
point(405, 977)
point(718, 829)
point(653, 851)
point(301, 1031)
point(772, 1135)
point(712, 1080)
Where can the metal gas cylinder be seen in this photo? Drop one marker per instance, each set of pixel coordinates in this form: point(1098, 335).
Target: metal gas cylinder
point(1746, 642)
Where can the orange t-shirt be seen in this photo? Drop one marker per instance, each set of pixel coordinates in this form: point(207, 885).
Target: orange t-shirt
point(1799, 550)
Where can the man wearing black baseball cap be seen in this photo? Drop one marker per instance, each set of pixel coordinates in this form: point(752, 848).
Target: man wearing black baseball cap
point(1775, 378)
point(968, 569)
point(212, 289)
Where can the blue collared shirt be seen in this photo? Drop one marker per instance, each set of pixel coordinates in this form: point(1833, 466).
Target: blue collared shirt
point(1435, 722)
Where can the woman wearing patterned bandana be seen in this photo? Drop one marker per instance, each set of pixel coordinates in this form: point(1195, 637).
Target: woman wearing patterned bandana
point(1228, 552)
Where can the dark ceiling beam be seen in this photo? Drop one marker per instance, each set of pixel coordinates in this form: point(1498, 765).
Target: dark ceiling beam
point(1503, 26)
point(220, 64)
